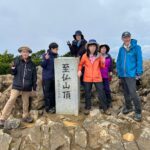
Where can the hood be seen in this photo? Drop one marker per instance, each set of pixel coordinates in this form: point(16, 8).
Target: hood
point(133, 43)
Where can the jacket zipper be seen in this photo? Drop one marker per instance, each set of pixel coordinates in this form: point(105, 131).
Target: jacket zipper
point(24, 74)
point(92, 68)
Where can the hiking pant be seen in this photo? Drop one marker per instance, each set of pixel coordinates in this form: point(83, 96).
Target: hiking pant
point(10, 103)
point(107, 90)
point(101, 94)
point(49, 93)
point(129, 90)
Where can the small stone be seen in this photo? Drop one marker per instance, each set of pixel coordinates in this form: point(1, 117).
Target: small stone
point(129, 137)
point(12, 124)
point(39, 122)
point(94, 112)
point(34, 114)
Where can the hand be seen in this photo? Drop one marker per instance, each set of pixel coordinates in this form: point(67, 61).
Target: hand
point(47, 56)
point(13, 68)
point(138, 77)
point(68, 43)
point(13, 65)
point(79, 74)
point(110, 73)
point(33, 94)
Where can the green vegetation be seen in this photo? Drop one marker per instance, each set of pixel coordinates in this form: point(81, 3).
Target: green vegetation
point(6, 60)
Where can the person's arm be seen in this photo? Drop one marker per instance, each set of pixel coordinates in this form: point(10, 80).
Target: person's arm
point(44, 61)
point(34, 78)
point(111, 65)
point(13, 70)
point(72, 48)
point(80, 66)
point(102, 62)
point(82, 49)
point(139, 68)
point(118, 63)
point(14, 66)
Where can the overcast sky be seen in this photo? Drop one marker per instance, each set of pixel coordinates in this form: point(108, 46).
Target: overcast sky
point(36, 23)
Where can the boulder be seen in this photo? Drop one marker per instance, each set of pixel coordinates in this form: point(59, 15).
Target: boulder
point(5, 141)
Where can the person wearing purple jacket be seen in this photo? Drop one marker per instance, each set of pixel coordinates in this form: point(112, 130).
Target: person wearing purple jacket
point(107, 72)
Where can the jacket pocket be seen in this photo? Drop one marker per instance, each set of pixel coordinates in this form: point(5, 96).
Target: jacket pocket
point(28, 74)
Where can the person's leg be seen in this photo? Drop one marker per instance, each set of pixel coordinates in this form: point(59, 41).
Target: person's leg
point(101, 95)
point(107, 92)
point(46, 91)
point(131, 83)
point(25, 100)
point(52, 95)
point(82, 76)
point(9, 105)
point(128, 102)
point(88, 88)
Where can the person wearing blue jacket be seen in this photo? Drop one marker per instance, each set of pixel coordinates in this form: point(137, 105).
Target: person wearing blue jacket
point(48, 77)
point(130, 67)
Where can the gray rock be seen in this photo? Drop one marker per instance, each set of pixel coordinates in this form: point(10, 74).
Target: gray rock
point(12, 124)
point(101, 133)
point(144, 139)
point(94, 112)
point(34, 114)
point(32, 139)
point(59, 137)
point(130, 146)
point(5, 141)
point(80, 137)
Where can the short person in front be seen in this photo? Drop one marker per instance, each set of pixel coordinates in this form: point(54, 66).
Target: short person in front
point(92, 61)
point(48, 77)
point(130, 66)
point(107, 72)
point(25, 78)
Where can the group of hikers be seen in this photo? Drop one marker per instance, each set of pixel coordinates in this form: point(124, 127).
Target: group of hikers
point(95, 67)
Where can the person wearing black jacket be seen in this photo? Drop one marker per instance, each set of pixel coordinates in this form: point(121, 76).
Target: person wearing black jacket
point(77, 48)
point(25, 78)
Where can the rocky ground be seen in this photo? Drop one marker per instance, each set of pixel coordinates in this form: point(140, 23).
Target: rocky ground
point(63, 132)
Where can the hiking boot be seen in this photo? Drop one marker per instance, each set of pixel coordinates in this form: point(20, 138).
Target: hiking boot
point(27, 119)
point(87, 111)
point(138, 117)
point(2, 122)
point(126, 111)
point(47, 109)
point(52, 110)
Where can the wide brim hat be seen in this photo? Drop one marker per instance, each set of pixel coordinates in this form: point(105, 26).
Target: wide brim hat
point(106, 46)
point(78, 33)
point(24, 48)
point(92, 42)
